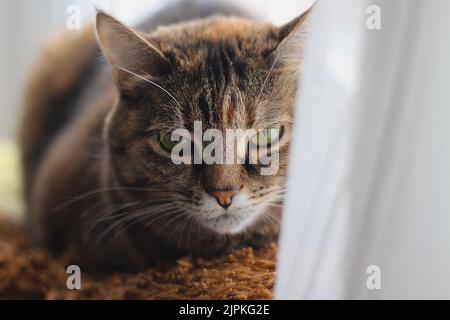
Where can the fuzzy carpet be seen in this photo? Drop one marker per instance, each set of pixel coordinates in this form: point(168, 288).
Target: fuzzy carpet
point(30, 273)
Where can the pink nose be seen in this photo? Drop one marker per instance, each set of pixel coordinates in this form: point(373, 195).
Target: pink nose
point(224, 196)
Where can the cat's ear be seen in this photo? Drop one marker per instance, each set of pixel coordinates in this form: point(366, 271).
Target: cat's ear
point(125, 49)
point(291, 39)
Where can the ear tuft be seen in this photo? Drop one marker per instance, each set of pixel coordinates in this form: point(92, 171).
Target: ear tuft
point(125, 48)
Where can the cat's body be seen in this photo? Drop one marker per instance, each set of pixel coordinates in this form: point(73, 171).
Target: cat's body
point(92, 184)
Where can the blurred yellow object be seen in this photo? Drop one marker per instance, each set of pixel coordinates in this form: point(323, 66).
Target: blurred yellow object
point(11, 197)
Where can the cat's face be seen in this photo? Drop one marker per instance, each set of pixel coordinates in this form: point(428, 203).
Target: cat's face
point(221, 73)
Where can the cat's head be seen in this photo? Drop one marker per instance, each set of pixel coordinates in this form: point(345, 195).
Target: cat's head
point(225, 73)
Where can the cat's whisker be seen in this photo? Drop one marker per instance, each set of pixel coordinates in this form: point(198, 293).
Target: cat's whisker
point(151, 82)
point(187, 223)
point(79, 219)
point(144, 212)
point(178, 231)
point(178, 216)
point(270, 217)
point(108, 212)
point(153, 203)
point(119, 222)
point(149, 223)
point(160, 211)
point(189, 230)
point(141, 218)
point(276, 205)
point(266, 79)
point(100, 192)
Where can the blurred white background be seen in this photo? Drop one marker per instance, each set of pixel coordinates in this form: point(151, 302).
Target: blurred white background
point(25, 24)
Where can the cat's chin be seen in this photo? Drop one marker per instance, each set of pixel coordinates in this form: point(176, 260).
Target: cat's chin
point(228, 224)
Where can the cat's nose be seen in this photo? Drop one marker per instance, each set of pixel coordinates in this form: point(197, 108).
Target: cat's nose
point(224, 196)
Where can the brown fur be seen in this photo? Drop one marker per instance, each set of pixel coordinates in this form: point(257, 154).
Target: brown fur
point(57, 73)
point(91, 162)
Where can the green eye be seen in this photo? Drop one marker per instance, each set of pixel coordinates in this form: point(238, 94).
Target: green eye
point(164, 138)
point(267, 137)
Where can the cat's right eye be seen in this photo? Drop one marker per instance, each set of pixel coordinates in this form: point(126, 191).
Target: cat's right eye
point(164, 139)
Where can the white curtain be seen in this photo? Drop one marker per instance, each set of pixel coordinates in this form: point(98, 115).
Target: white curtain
point(369, 177)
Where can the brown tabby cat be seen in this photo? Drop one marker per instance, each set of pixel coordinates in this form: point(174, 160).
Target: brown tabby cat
point(99, 176)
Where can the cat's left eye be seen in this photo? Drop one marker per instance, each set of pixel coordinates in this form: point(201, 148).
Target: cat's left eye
point(267, 137)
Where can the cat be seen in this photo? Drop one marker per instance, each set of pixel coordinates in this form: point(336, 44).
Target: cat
point(98, 172)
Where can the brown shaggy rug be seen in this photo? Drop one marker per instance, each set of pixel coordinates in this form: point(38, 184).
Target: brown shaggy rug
point(27, 272)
